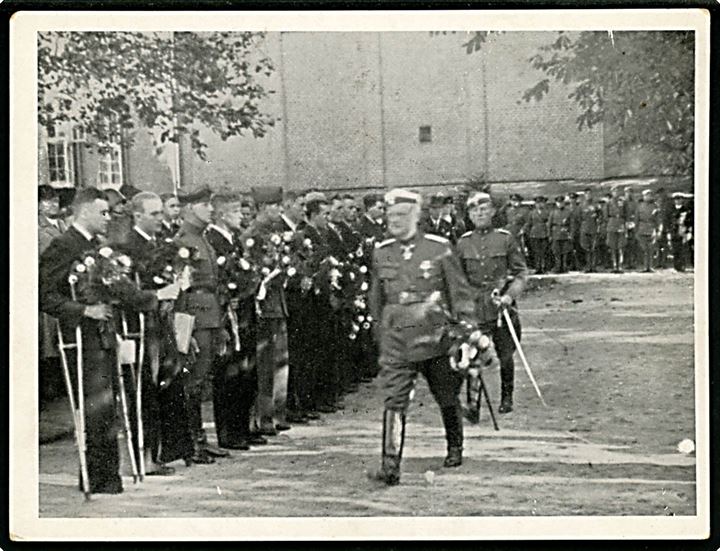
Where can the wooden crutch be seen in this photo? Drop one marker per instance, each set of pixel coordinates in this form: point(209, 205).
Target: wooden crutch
point(125, 413)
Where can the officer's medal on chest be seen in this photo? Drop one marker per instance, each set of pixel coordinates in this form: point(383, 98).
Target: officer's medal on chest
point(425, 267)
point(407, 251)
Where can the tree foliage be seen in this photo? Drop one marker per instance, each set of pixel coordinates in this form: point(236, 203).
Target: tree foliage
point(170, 83)
point(640, 84)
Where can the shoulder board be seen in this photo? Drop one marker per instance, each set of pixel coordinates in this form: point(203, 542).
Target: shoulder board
point(437, 238)
point(384, 243)
point(500, 230)
point(466, 234)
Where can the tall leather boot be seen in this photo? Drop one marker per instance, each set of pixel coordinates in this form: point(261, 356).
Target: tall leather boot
point(472, 411)
point(507, 384)
point(393, 442)
point(452, 420)
point(199, 438)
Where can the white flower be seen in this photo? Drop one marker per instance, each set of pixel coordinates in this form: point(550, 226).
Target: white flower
point(221, 260)
point(351, 256)
point(359, 251)
point(359, 304)
point(484, 342)
point(355, 327)
point(333, 261)
point(335, 274)
point(125, 260)
point(286, 260)
point(80, 268)
point(183, 253)
point(232, 286)
point(363, 269)
point(364, 286)
point(250, 243)
point(89, 261)
point(244, 264)
point(351, 275)
point(72, 279)
point(105, 252)
point(265, 270)
point(158, 280)
point(686, 446)
point(361, 318)
point(291, 271)
point(275, 239)
point(366, 326)
point(287, 236)
point(369, 318)
point(307, 243)
point(352, 336)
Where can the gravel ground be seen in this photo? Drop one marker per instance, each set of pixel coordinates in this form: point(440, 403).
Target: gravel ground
point(614, 358)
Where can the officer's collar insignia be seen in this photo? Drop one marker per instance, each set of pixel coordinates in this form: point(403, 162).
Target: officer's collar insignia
point(426, 266)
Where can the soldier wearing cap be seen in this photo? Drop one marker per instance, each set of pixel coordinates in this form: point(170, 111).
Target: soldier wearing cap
point(588, 228)
point(435, 223)
point(515, 219)
point(495, 268)
point(201, 301)
point(273, 363)
point(679, 231)
point(417, 287)
point(616, 216)
point(648, 221)
point(171, 216)
point(536, 230)
point(560, 224)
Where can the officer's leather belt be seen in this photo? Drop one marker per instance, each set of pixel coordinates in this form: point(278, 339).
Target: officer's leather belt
point(408, 297)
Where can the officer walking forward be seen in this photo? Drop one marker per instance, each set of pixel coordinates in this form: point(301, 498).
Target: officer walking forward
point(495, 268)
point(417, 288)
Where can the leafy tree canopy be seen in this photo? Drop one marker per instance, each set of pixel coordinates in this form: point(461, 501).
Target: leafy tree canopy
point(171, 83)
point(639, 83)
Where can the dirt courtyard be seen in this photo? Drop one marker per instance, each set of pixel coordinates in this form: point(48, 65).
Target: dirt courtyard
point(613, 355)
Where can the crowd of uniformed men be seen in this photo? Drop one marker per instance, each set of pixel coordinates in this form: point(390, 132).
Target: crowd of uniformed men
point(463, 258)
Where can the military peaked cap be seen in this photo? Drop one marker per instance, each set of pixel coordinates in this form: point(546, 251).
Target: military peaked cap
point(202, 195)
point(267, 194)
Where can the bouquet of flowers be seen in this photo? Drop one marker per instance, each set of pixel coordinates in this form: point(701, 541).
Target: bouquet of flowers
point(278, 252)
point(469, 347)
point(101, 275)
point(167, 263)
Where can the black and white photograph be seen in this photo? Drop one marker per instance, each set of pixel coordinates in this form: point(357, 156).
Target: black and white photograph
point(359, 275)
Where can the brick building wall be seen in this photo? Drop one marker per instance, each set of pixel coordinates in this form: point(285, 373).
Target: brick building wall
point(350, 107)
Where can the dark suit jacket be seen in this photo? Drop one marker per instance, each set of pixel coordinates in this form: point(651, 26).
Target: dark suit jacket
point(56, 299)
point(350, 237)
point(370, 229)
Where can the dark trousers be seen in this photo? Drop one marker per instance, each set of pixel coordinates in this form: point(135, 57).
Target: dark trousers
point(505, 349)
point(198, 378)
point(679, 253)
point(323, 351)
point(272, 371)
point(539, 248)
point(234, 393)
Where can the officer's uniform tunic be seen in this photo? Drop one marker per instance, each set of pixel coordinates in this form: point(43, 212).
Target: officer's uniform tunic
point(492, 261)
point(416, 286)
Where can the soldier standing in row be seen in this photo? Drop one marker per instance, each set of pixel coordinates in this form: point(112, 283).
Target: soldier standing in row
point(435, 223)
point(616, 217)
point(648, 220)
point(417, 280)
point(536, 230)
point(495, 267)
point(560, 229)
point(588, 229)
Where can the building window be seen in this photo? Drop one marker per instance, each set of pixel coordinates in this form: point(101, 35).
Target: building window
point(59, 162)
point(64, 145)
point(110, 173)
point(425, 134)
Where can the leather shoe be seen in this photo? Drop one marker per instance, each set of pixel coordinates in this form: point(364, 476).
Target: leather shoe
point(256, 439)
point(282, 426)
point(162, 470)
point(505, 406)
point(214, 451)
point(454, 458)
point(236, 445)
point(201, 457)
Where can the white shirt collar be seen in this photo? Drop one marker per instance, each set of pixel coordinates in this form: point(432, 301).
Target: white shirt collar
point(289, 222)
point(143, 234)
point(222, 231)
point(86, 234)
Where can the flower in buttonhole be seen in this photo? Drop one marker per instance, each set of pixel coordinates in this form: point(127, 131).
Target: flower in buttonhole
point(232, 286)
point(105, 252)
point(244, 264)
point(250, 243)
point(89, 261)
point(363, 269)
point(221, 260)
point(125, 260)
point(287, 236)
point(72, 279)
point(291, 271)
point(158, 280)
point(184, 253)
point(80, 268)
point(286, 260)
point(275, 239)
point(364, 286)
